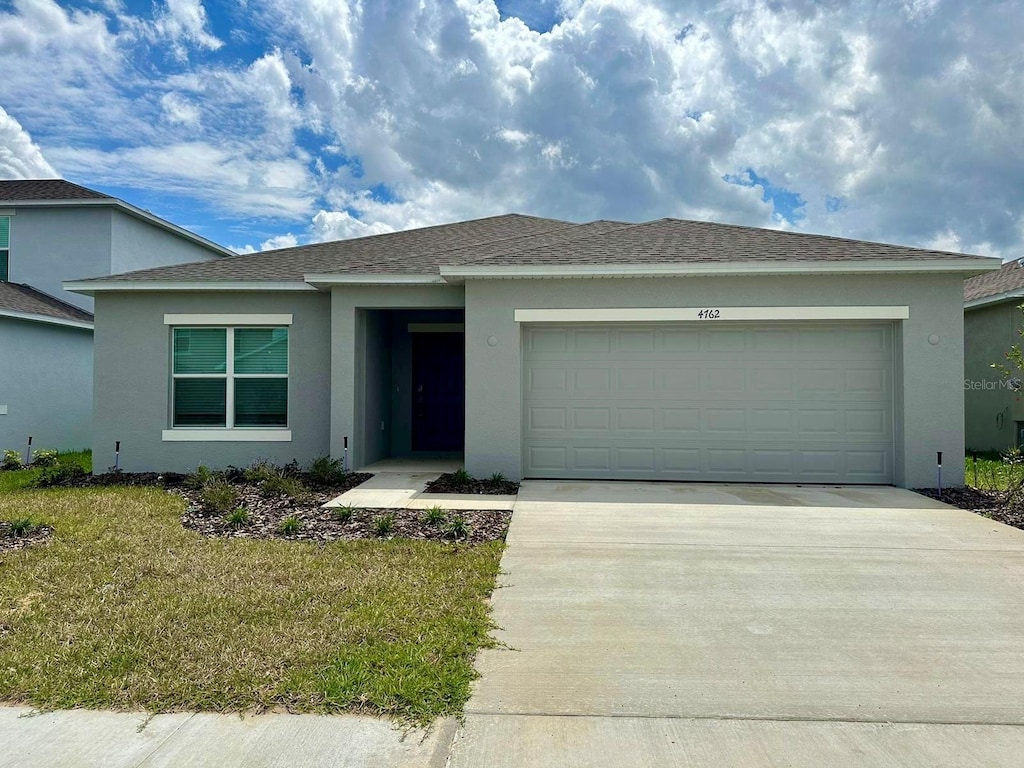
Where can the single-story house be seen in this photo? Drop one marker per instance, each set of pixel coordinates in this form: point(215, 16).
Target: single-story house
point(674, 350)
point(993, 320)
point(52, 230)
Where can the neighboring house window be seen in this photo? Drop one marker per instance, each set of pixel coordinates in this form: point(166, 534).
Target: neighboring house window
point(5, 248)
point(230, 377)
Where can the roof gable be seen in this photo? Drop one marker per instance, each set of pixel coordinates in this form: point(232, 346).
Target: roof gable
point(20, 300)
point(1003, 285)
point(46, 189)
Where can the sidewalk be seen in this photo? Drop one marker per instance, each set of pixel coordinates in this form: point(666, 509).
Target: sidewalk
point(91, 739)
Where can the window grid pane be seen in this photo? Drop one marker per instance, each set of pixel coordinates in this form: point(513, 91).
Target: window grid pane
point(200, 350)
point(5, 232)
point(200, 402)
point(261, 350)
point(261, 402)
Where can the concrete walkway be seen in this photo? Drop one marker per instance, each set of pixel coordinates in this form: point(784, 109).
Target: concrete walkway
point(701, 625)
point(84, 739)
point(401, 486)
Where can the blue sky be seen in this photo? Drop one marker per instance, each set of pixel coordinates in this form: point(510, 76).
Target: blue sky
point(267, 123)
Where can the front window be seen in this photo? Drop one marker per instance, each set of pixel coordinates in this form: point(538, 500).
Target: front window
point(230, 377)
point(5, 248)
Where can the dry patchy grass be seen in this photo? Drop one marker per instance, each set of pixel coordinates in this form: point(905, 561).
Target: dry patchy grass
point(125, 609)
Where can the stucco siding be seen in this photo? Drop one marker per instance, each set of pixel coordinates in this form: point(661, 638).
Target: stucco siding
point(132, 380)
point(991, 409)
point(47, 393)
point(50, 245)
point(929, 396)
point(138, 245)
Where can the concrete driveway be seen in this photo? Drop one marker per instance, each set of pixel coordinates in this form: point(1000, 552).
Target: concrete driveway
point(701, 625)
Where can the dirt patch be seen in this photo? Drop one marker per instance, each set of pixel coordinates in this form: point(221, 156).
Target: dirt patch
point(451, 483)
point(990, 504)
point(10, 541)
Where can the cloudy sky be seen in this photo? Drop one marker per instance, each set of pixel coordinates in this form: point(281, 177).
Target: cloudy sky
point(263, 123)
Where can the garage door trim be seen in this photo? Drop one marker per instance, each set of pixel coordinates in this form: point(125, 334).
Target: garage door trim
point(708, 314)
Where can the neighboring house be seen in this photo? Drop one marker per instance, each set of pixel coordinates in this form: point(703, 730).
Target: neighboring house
point(672, 350)
point(993, 405)
point(52, 230)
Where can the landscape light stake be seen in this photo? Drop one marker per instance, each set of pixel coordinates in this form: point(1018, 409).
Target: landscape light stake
point(28, 451)
point(117, 455)
point(344, 458)
point(939, 461)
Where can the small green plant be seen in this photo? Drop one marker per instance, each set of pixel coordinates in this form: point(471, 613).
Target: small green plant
point(457, 528)
point(22, 526)
point(290, 525)
point(238, 517)
point(344, 514)
point(60, 475)
point(11, 460)
point(497, 478)
point(218, 497)
point(384, 524)
point(260, 471)
point(434, 516)
point(44, 458)
point(326, 472)
point(200, 478)
point(461, 478)
point(279, 485)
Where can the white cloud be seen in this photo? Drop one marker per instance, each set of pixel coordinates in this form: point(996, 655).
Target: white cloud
point(20, 157)
point(355, 117)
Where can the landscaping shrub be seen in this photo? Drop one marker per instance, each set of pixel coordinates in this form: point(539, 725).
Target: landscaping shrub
point(290, 525)
point(60, 475)
point(11, 460)
point(238, 517)
point(200, 478)
point(325, 472)
point(384, 524)
point(219, 497)
point(434, 515)
point(344, 514)
point(260, 471)
point(457, 528)
point(22, 526)
point(44, 458)
point(278, 485)
point(497, 478)
point(461, 478)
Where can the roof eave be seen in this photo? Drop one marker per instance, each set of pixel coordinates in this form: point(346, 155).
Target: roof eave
point(92, 287)
point(328, 280)
point(968, 266)
point(996, 298)
point(131, 210)
point(36, 318)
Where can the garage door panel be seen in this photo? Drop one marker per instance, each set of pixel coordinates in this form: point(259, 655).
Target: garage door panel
point(800, 403)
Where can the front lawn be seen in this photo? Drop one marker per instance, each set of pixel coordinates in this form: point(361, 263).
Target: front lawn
point(124, 608)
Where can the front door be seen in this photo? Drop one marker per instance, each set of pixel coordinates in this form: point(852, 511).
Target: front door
point(438, 391)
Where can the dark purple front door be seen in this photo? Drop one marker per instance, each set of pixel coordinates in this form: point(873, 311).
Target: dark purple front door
point(438, 391)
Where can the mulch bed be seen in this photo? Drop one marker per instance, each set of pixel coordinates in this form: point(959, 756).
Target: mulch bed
point(9, 541)
point(322, 525)
point(447, 483)
point(990, 504)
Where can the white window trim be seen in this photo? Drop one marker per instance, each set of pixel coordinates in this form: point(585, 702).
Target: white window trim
point(701, 314)
point(222, 435)
point(228, 433)
point(227, 320)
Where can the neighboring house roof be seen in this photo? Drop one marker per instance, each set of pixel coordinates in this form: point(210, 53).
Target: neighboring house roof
point(24, 302)
point(993, 287)
point(56, 193)
point(515, 245)
point(47, 189)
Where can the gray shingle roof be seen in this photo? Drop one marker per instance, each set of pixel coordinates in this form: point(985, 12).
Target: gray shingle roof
point(672, 241)
point(24, 299)
point(47, 189)
point(1008, 279)
point(514, 239)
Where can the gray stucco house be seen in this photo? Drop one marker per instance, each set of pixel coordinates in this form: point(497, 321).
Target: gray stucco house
point(52, 230)
point(538, 348)
point(993, 403)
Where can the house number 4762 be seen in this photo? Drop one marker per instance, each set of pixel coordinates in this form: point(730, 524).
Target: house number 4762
point(708, 314)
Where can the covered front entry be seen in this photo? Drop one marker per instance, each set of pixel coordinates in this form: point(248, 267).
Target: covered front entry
point(782, 402)
point(411, 389)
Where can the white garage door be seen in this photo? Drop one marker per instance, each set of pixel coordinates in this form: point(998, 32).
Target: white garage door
point(793, 402)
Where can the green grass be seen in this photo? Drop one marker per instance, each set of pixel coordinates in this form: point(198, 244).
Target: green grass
point(24, 478)
point(125, 609)
point(990, 472)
